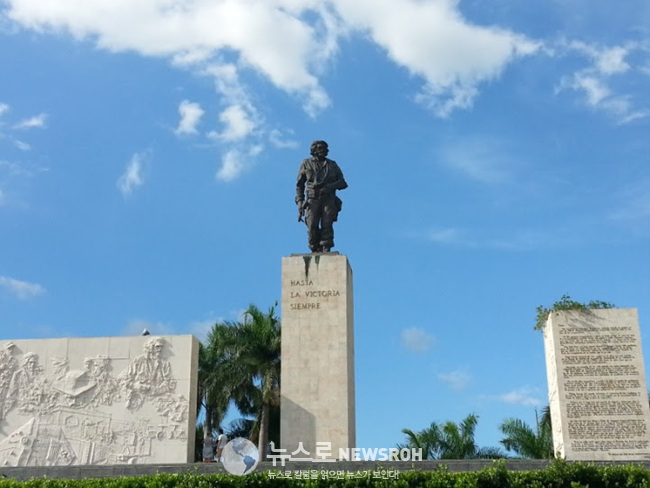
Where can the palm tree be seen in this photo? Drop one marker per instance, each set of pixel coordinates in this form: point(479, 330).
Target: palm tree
point(213, 394)
point(545, 419)
point(450, 441)
point(249, 360)
point(458, 441)
point(429, 440)
point(526, 442)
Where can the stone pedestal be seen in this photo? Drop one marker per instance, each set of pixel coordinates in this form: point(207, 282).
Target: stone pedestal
point(597, 388)
point(317, 355)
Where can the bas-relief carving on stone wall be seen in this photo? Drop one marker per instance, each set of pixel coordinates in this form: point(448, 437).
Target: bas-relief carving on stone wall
point(66, 419)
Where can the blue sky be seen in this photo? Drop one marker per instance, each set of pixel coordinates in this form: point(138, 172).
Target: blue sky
point(497, 156)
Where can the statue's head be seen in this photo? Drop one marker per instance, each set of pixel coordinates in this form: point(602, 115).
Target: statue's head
point(320, 149)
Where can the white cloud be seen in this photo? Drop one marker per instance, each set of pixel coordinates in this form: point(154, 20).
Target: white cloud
point(281, 140)
point(133, 176)
point(451, 236)
point(608, 60)
point(21, 170)
point(612, 61)
point(236, 161)
point(645, 69)
point(520, 240)
point(600, 96)
point(291, 43)
point(10, 128)
point(32, 122)
point(15, 180)
point(595, 81)
point(21, 289)
point(243, 124)
point(417, 339)
point(202, 328)
point(10, 168)
point(594, 88)
point(480, 158)
point(191, 114)
point(255, 150)
point(268, 37)
point(622, 107)
point(432, 40)
point(23, 146)
point(457, 380)
point(521, 396)
point(444, 236)
point(232, 164)
point(239, 123)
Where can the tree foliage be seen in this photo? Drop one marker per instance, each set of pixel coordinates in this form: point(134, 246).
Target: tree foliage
point(566, 303)
point(247, 358)
point(450, 440)
point(213, 393)
point(527, 442)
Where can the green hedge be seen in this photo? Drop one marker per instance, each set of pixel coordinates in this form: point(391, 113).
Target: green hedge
point(558, 475)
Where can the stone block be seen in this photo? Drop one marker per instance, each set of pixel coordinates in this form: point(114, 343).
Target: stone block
point(597, 386)
point(318, 403)
point(92, 401)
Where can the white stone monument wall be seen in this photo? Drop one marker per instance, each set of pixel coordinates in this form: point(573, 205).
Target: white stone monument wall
point(597, 387)
point(90, 401)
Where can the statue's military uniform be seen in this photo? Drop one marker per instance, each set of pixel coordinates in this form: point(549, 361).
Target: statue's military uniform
point(316, 188)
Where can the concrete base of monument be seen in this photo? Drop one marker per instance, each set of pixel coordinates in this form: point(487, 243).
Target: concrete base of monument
point(365, 468)
point(317, 402)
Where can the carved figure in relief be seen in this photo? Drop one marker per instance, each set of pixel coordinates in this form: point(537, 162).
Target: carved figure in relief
point(107, 387)
point(174, 408)
point(27, 374)
point(148, 375)
point(28, 387)
point(8, 366)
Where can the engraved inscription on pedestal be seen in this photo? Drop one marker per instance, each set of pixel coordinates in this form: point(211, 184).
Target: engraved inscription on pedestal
point(109, 400)
point(597, 388)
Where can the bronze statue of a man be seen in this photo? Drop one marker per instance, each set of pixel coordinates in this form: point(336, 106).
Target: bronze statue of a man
point(318, 180)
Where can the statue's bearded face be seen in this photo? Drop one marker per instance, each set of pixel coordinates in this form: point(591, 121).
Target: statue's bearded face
point(319, 149)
